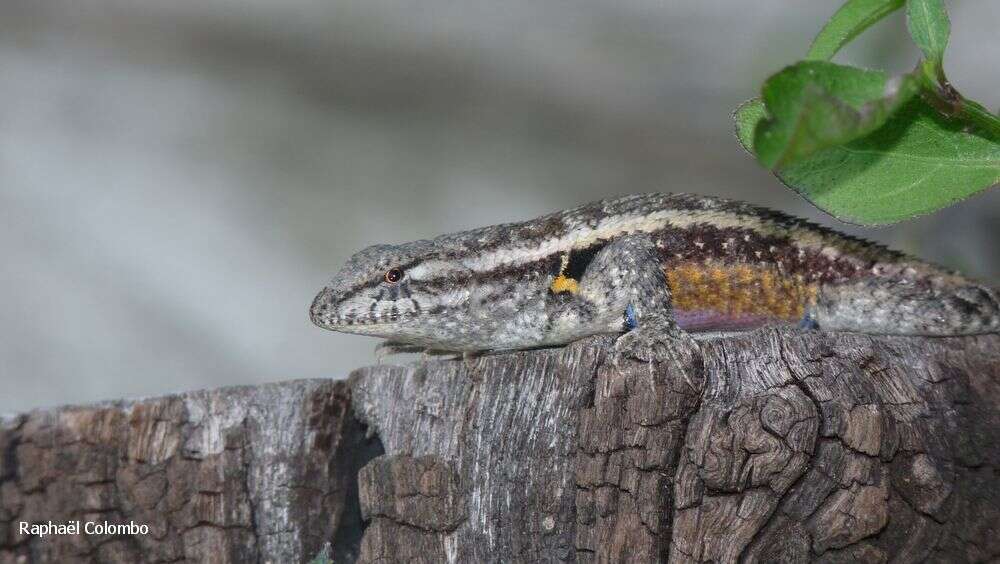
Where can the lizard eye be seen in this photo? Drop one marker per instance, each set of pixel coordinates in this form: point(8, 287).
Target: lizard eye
point(393, 275)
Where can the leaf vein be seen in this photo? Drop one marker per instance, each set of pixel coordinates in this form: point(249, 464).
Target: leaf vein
point(968, 163)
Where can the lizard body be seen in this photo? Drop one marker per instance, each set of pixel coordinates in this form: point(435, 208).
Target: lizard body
point(659, 263)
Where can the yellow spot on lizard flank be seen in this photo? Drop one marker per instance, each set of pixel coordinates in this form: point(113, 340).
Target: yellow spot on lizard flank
point(564, 284)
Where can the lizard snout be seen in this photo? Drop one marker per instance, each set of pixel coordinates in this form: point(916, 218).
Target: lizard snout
point(321, 310)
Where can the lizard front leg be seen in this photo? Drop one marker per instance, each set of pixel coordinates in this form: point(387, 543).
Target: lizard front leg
point(388, 348)
point(626, 279)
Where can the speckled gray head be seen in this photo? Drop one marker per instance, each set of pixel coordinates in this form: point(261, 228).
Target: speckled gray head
point(406, 292)
point(445, 293)
point(373, 292)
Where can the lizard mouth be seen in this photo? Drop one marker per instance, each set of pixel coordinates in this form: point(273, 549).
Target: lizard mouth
point(324, 314)
point(377, 326)
point(393, 315)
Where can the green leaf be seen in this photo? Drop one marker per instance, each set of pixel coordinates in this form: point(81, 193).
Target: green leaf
point(814, 105)
point(918, 162)
point(929, 28)
point(851, 19)
point(981, 119)
point(747, 116)
point(866, 149)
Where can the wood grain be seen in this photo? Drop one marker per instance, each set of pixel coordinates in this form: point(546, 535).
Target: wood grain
point(770, 446)
point(234, 475)
point(775, 445)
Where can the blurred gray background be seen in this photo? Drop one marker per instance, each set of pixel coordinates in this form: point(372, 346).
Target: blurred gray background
point(178, 179)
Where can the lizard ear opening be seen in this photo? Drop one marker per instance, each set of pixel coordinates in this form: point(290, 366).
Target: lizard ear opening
point(393, 275)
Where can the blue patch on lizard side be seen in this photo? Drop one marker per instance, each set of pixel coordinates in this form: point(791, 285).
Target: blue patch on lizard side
point(808, 323)
point(629, 318)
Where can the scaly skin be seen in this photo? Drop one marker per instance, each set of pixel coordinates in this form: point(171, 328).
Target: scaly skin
point(650, 265)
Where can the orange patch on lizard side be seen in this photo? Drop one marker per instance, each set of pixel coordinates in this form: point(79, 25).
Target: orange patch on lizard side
point(739, 289)
point(564, 284)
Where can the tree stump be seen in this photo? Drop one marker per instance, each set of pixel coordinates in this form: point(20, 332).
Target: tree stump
point(775, 445)
point(248, 474)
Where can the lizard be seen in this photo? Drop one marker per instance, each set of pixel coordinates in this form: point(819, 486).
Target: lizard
point(649, 267)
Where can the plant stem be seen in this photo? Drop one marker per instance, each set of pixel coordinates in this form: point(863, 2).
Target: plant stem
point(982, 118)
point(950, 102)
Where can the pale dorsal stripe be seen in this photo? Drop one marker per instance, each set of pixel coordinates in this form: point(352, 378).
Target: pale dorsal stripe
point(610, 227)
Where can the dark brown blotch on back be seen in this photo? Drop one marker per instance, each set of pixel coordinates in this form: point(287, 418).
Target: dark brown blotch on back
point(728, 245)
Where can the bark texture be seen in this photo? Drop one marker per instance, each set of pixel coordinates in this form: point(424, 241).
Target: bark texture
point(246, 474)
point(770, 446)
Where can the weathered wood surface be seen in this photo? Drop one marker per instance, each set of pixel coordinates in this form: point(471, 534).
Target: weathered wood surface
point(247, 474)
point(770, 446)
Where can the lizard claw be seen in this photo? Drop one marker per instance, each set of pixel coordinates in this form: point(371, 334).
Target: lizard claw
point(641, 345)
point(661, 345)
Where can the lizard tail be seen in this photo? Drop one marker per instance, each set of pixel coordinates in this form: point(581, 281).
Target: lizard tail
point(941, 307)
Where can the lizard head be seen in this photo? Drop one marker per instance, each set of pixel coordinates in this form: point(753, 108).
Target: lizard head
point(394, 291)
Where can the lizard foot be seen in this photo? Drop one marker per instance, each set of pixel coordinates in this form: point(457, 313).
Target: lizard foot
point(656, 341)
point(388, 348)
